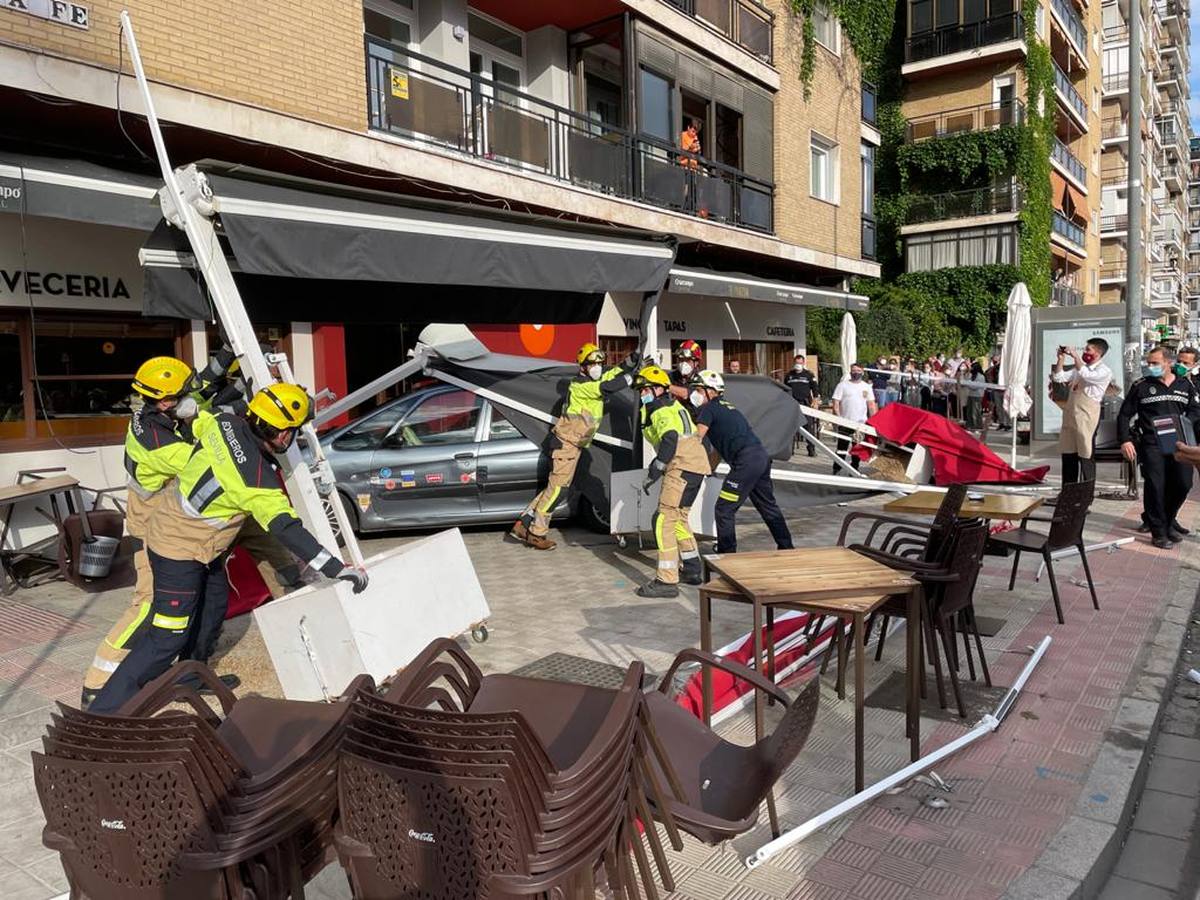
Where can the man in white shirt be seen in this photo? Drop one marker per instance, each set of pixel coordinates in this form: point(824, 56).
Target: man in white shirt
point(1087, 383)
point(853, 400)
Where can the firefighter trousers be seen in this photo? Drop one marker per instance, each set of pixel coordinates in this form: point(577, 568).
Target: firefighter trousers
point(672, 536)
point(563, 460)
point(186, 611)
point(749, 478)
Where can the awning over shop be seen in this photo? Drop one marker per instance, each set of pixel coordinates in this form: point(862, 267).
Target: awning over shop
point(319, 244)
point(77, 190)
point(712, 283)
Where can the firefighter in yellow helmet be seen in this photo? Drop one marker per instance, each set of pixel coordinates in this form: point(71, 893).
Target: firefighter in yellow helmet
point(231, 475)
point(582, 412)
point(681, 462)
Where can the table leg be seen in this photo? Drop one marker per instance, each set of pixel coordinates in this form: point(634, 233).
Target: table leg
point(758, 667)
point(860, 674)
point(86, 526)
point(771, 650)
point(8, 582)
point(706, 645)
point(913, 663)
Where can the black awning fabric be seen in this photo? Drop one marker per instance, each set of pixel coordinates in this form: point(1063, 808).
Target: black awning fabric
point(735, 285)
point(77, 190)
point(285, 231)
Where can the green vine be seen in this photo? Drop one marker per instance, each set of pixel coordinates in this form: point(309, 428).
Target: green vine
point(866, 24)
point(1033, 161)
point(975, 158)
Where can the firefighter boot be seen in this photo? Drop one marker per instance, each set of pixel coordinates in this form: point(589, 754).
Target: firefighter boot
point(658, 588)
point(691, 571)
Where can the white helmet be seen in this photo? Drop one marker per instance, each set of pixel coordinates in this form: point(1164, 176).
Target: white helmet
point(710, 378)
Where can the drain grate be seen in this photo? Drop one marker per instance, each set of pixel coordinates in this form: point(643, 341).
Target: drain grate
point(577, 670)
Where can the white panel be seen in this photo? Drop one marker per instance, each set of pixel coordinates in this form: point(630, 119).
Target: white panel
point(632, 511)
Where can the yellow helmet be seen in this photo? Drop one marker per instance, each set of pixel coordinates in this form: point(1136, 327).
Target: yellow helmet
point(652, 375)
point(162, 377)
point(589, 352)
point(282, 406)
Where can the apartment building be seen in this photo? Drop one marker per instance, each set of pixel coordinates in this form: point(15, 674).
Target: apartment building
point(965, 71)
point(548, 126)
point(1166, 135)
point(1192, 323)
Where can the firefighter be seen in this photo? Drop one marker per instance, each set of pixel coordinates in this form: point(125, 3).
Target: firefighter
point(689, 357)
point(571, 435)
point(681, 462)
point(727, 430)
point(231, 475)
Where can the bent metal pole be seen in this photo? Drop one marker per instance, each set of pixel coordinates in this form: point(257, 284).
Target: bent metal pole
point(989, 723)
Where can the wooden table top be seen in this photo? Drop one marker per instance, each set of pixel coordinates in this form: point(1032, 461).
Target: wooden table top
point(835, 579)
point(37, 488)
point(1011, 507)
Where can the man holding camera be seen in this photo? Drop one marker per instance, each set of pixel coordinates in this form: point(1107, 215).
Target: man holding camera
point(1086, 384)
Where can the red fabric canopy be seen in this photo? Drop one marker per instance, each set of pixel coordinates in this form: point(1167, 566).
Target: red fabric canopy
point(957, 457)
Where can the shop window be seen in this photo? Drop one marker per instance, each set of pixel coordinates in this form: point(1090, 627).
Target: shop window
point(12, 394)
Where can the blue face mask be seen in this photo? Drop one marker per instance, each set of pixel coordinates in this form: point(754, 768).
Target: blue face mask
point(647, 399)
point(1153, 371)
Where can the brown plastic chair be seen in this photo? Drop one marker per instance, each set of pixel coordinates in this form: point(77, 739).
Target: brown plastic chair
point(1066, 530)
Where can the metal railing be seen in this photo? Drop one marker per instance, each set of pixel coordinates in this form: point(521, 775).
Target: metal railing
point(1068, 229)
point(1065, 295)
point(984, 117)
point(1113, 33)
point(425, 100)
point(1110, 224)
point(1114, 266)
point(1167, 72)
point(1061, 153)
point(1109, 177)
point(983, 201)
point(1172, 8)
point(1193, 196)
point(1114, 128)
point(1073, 24)
point(745, 22)
point(869, 102)
point(869, 238)
point(957, 38)
point(1115, 81)
point(1063, 84)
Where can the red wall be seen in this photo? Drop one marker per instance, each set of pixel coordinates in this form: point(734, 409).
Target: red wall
point(559, 342)
point(329, 361)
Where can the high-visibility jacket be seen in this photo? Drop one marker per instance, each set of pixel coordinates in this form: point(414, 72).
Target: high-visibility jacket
point(668, 426)
point(585, 405)
point(156, 450)
point(228, 478)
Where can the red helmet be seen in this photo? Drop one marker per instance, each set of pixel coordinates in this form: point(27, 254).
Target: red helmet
point(689, 349)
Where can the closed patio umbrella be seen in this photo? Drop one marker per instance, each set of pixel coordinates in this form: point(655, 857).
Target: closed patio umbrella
point(849, 344)
point(1014, 358)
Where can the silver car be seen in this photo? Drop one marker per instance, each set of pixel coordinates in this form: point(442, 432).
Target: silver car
point(438, 457)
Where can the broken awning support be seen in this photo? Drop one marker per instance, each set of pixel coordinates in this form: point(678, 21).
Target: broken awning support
point(985, 726)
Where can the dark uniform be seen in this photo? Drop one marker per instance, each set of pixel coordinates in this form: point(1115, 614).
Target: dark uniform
point(749, 474)
point(803, 385)
point(1167, 482)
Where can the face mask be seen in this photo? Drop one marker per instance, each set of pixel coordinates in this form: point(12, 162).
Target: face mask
point(1179, 369)
point(186, 408)
point(798, 367)
point(1088, 357)
point(856, 376)
point(647, 398)
point(594, 372)
point(685, 368)
point(698, 398)
point(1153, 371)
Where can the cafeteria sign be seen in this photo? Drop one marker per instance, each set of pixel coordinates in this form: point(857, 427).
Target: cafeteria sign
point(65, 13)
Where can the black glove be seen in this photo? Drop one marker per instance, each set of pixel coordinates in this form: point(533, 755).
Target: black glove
point(653, 473)
point(630, 363)
point(356, 577)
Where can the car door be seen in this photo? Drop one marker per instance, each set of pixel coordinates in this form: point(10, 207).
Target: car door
point(351, 453)
point(424, 471)
point(507, 468)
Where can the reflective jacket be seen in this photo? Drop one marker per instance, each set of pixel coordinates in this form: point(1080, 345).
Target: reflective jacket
point(585, 405)
point(668, 426)
point(155, 453)
point(227, 479)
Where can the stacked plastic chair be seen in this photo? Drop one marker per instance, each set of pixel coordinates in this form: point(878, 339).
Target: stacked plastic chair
point(158, 803)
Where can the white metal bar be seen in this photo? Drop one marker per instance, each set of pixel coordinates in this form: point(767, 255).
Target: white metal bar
point(382, 383)
point(1110, 546)
point(989, 723)
point(811, 438)
point(210, 260)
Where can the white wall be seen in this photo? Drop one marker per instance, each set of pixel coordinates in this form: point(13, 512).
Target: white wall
point(546, 70)
point(95, 467)
point(435, 31)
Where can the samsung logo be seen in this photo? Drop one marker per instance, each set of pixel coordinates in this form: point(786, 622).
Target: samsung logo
point(113, 824)
point(235, 446)
point(423, 836)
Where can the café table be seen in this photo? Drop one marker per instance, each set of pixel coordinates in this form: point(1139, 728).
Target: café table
point(824, 581)
point(1006, 507)
point(38, 487)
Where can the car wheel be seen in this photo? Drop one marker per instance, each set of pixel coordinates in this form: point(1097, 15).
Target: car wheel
point(592, 518)
point(347, 509)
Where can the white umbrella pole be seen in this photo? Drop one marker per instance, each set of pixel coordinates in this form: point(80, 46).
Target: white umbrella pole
point(1014, 443)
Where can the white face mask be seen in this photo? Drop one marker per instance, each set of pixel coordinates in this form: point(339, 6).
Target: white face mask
point(685, 368)
point(186, 408)
point(697, 398)
point(595, 371)
point(798, 367)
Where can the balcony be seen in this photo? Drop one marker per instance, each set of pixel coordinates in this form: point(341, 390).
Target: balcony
point(868, 103)
point(746, 23)
point(1193, 196)
point(986, 201)
point(960, 38)
point(1117, 176)
point(1064, 295)
point(1169, 75)
point(1116, 34)
point(1069, 162)
point(1115, 82)
point(456, 112)
point(869, 238)
point(1114, 129)
point(1064, 227)
point(1114, 225)
point(1065, 14)
point(1114, 268)
point(1071, 98)
point(985, 117)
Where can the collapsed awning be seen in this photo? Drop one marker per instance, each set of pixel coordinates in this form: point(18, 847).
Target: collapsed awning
point(319, 244)
point(77, 190)
point(712, 283)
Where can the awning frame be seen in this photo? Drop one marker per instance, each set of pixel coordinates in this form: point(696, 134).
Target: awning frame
point(733, 285)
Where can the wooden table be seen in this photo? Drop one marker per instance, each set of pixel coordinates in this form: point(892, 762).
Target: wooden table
point(1009, 507)
point(33, 489)
point(826, 581)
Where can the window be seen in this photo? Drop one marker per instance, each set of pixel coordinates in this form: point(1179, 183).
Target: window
point(922, 16)
point(501, 429)
point(491, 32)
point(12, 405)
point(443, 418)
point(868, 180)
point(823, 169)
point(995, 244)
point(974, 11)
point(368, 433)
point(1039, 20)
point(655, 99)
point(389, 20)
point(825, 28)
point(947, 13)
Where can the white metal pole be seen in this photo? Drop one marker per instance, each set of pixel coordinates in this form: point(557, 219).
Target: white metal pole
point(210, 260)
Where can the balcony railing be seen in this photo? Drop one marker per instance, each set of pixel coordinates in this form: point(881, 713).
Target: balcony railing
point(984, 201)
point(1065, 295)
point(425, 100)
point(744, 22)
point(1114, 128)
point(1172, 8)
point(1114, 33)
point(1068, 229)
point(1061, 153)
point(957, 38)
point(1193, 196)
point(1109, 224)
point(1168, 72)
point(1073, 24)
point(869, 238)
point(1114, 266)
point(1109, 177)
point(985, 117)
point(1115, 81)
point(868, 102)
point(1073, 97)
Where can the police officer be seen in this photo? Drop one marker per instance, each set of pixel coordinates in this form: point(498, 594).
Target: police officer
point(803, 385)
point(231, 475)
point(1159, 395)
point(1187, 365)
point(681, 462)
point(572, 433)
point(727, 430)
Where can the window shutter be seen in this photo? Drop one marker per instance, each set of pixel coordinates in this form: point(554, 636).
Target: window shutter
point(758, 118)
point(728, 92)
point(694, 76)
point(657, 56)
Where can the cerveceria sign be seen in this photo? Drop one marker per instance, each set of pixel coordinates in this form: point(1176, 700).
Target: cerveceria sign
point(62, 284)
point(73, 14)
